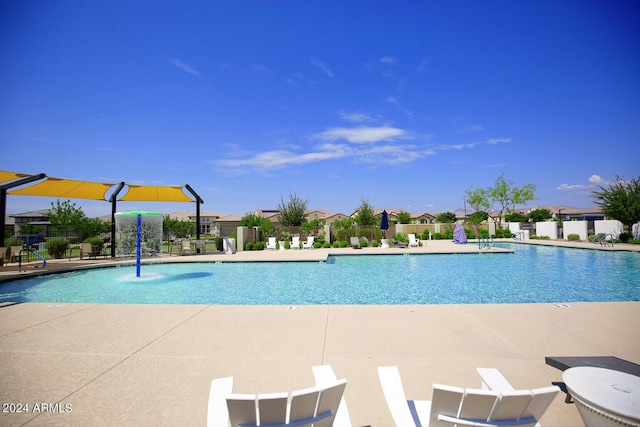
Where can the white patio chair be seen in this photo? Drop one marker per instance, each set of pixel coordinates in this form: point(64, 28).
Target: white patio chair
point(271, 244)
point(459, 406)
point(309, 243)
point(413, 241)
point(295, 242)
point(322, 405)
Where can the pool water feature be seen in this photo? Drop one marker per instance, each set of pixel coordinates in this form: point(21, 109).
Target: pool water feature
point(533, 274)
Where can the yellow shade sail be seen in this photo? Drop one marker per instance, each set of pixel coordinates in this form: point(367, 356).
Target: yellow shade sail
point(6, 176)
point(69, 188)
point(146, 193)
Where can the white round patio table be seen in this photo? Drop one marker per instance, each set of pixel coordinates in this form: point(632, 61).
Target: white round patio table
point(604, 397)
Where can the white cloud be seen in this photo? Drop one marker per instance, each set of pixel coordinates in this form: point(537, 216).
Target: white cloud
point(494, 141)
point(321, 66)
point(596, 179)
point(362, 135)
point(277, 159)
point(356, 116)
point(457, 146)
point(388, 60)
point(572, 187)
point(378, 145)
point(183, 66)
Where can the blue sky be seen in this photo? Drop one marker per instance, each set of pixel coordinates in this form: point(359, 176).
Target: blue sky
point(404, 104)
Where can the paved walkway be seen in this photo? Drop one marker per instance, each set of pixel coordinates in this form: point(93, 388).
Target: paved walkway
point(101, 364)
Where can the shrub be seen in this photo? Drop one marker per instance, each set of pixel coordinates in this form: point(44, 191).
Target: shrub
point(483, 233)
point(374, 244)
point(248, 246)
point(425, 235)
point(259, 246)
point(364, 242)
point(343, 243)
point(57, 246)
point(401, 237)
point(448, 235)
point(317, 245)
point(326, 245)
point(624, 237)
point(573, 237)
point(219, 243)
point(94, 240)
point(287, 245)
point(634, 241)
point(336, 244)
point(437, 236)
point(13, 241)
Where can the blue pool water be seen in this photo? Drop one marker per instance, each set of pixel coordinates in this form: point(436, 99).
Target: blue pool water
point(532, 274)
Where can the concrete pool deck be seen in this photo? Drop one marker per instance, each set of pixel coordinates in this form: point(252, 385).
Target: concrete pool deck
point(153, 364)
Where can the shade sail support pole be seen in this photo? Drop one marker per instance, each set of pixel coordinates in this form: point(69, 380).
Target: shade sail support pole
point(113, 200)
point(198, 202)
point(3, 198)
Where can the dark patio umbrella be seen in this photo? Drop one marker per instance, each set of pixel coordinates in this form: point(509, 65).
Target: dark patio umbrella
point(384, 222)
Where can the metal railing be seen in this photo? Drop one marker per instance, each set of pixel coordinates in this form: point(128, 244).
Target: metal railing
point(486, 242)
point(44, 261)
point(602, 239)
point(518, 235)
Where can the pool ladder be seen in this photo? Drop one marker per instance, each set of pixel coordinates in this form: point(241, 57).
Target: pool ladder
point(486, 242)
point(519, 235)
point(602, 239)
point(44, 261)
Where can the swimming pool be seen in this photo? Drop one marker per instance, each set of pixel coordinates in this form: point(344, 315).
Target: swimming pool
point(533, 274)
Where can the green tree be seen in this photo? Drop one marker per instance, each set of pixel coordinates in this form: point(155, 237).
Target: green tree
point(475, 219)
point(30, 229)
point(179, 228)
point(446, 218)
point(311, 226)
point(403, 217)
point(65, 216)
point(252, 220)
point(514, 216)
point(539, 215)
point(344, 225)
point(89, 227)
point(620, 200)
point(505, 194)
point(364, 214)
point(478, 199)
point(293, 213)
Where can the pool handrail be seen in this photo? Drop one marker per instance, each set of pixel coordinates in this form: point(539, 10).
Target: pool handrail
point(44, 261)
point(486, 242)
point(602, 239)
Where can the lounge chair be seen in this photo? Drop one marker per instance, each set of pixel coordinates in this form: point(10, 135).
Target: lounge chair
point(355, 243)
point(271, 244)
point(322, 405)
point(295, 242)
point(459, 406)
point(185, 247)
point(413, 241)
point(86, 249)
point(399, 244)
point(14, 252)
point(309, 243)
